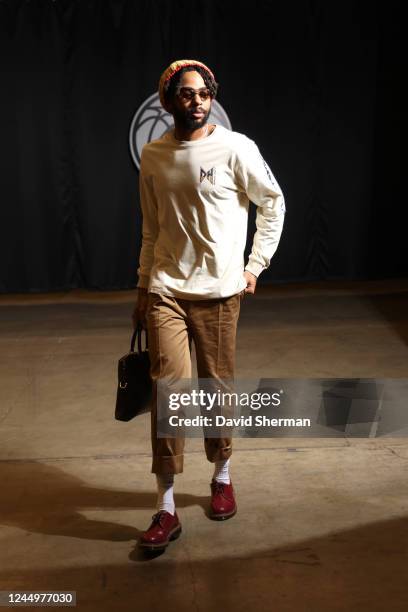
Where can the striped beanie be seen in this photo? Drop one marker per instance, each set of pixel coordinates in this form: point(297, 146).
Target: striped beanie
point(175, 67)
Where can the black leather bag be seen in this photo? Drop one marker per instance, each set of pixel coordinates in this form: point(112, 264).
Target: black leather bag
point(134, 391)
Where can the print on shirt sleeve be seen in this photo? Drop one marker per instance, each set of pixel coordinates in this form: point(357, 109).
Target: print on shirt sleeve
point(268, 171)
point(273, 183)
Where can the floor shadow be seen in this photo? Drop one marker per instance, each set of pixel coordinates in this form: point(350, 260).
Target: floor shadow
point(42, 498)
point(353, 570)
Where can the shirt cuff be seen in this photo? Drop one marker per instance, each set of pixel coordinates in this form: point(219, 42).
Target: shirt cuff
point(254, 268)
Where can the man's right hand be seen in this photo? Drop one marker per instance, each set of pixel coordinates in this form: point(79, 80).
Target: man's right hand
point(139, 313)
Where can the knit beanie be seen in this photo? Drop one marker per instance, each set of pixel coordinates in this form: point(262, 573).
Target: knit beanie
point(175, 67)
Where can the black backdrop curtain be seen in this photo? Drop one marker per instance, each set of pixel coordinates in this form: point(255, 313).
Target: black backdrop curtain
point(318, 85)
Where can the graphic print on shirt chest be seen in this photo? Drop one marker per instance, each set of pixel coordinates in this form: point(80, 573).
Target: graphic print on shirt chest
point(213, 177)
point(208, 174)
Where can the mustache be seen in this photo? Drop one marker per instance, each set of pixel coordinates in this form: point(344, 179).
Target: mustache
point(196, 110)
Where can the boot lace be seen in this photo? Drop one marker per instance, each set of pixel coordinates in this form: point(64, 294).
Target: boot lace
point(158, 517)
point(218, 487)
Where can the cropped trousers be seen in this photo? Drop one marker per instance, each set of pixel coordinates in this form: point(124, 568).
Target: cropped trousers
point(172, 324)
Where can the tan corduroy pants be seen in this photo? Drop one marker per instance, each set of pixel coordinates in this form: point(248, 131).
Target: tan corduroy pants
point(171, 324)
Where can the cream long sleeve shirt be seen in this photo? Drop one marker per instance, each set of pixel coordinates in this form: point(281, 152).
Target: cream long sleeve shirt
point(194, 198)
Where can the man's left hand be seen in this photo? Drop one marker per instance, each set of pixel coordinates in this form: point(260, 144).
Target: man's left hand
point(251, 282)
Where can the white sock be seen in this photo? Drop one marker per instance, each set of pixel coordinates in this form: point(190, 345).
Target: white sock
point(221, 471)
point(165, 493)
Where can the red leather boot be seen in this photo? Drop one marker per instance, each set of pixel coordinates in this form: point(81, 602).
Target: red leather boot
point(164, 528)
point(223, 505)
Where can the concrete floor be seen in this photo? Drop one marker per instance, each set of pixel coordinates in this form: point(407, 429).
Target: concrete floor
point(322, 524)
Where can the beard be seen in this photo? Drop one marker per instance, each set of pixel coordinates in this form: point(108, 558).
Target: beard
point(186, 120)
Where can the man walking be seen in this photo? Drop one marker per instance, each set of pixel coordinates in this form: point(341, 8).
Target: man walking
point(195, 186)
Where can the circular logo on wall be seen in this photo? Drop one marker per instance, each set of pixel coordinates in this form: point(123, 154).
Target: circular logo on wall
point(151, 121)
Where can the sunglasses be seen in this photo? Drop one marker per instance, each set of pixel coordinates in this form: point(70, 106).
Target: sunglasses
point(188, 93)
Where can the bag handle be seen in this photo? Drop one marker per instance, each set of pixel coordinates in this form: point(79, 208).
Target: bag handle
point(138, 332)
